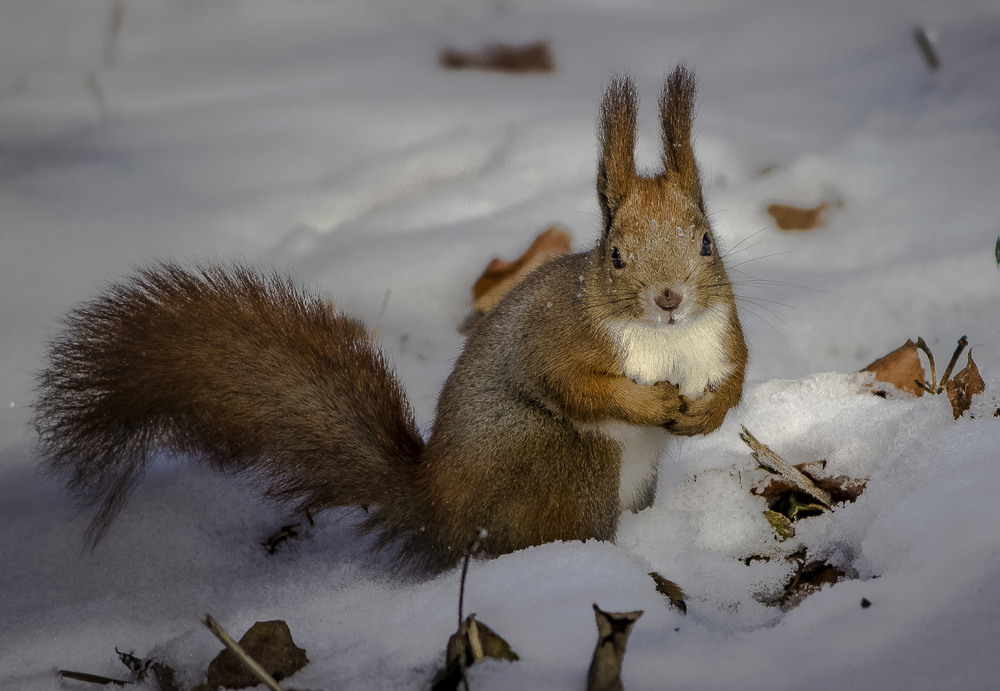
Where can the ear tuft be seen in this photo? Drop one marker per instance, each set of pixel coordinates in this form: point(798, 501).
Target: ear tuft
point(676, 118)
point(616, 169)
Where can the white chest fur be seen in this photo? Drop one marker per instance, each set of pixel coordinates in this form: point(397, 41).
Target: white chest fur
point(691, 354)
point(641, 451)
point(641, 448)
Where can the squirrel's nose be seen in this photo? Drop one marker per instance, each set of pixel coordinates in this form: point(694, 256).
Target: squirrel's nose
point(668, 300)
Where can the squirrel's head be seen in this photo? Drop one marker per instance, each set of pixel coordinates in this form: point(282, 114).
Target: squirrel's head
point(659, 260)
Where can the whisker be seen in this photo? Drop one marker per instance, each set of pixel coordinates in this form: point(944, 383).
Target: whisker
point(766, 321)
point(768, 284)
point(758, 237)
point(741, 300)
point(762, 301)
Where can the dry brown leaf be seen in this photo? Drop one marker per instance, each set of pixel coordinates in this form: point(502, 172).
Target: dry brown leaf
point(963, 386)
point(501, 276)
point(788, 500)
point(163, 674)
point(901, 368)
point(809, 578)
point(670, 590)
point(500, 57)
point(613, 629)
point(270, 644)
point(790, 474)
point(788, 217)
point(781, 524)
point(799, 490)
point(842, 489)
point(473, 642)
point(926, 45)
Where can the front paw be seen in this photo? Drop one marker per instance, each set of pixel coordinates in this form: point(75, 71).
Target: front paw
point(693, 415)
point(670, 402)
point(687, 426)
point(677, 417)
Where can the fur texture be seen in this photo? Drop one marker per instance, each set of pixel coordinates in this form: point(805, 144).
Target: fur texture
point(550, 424)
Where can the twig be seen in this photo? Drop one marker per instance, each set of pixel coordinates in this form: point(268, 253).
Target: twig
point(461, 587)
point(962, 343)
point(932, 387)
point(926, 46)
point(92, 678)
point(116, 15)
point(776, 464)
point(470, 551)
point(470, 633)
point(935, 387)
point(237, 650)
point(94, 87)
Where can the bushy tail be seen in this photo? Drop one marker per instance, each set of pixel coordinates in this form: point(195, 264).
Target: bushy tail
point(239, 369)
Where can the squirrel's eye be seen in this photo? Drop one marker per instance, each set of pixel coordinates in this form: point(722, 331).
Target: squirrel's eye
point(616, 259)
point(706, 245)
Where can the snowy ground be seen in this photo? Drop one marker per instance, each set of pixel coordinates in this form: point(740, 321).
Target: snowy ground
point(322, 138)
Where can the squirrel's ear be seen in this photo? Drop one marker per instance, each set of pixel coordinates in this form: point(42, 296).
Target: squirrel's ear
point(676, 117)
point(616, 170)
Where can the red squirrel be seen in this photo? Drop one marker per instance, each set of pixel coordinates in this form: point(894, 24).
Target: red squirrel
point(551, 424)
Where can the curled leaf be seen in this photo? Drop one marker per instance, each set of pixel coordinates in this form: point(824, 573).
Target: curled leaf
point(809, 578)
point(613, 629)
point(963, 386)
point(797, 491)
point(774, 463)
point(789, 501)
point(901, 368)
point(500, 57)
point(270, 644)
point(797, 508)
point(782, 525)
point(788, 217)
point(473, 642)
point(926, 46)
point(163, 674)
point(670, 590)
point(501, 276)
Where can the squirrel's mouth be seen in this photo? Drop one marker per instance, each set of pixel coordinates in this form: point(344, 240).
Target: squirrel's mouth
point(663, 318)
point(666, 318)
point(669, 305)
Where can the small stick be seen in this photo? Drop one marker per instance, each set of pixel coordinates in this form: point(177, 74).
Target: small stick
point(776, 464)
point(97, 93)
point(962, 343)
point(470, 634)
point(237, 650)
point(926, 47)
point(114, 28)
point(469, 553)
point(932, 387)
point(92, 678)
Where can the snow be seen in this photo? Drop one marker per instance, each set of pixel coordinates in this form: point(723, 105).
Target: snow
point(322, 138)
